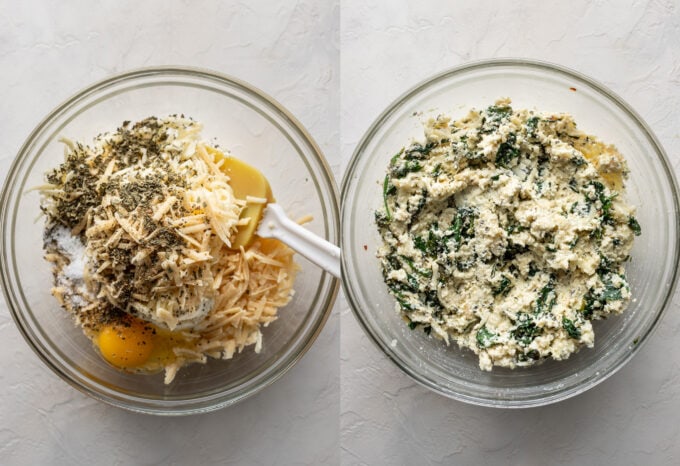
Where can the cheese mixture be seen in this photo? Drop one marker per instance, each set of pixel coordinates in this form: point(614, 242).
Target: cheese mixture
point(139, 229)
point(507, 231)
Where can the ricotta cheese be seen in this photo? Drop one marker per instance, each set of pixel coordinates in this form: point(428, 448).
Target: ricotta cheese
point(507, 232)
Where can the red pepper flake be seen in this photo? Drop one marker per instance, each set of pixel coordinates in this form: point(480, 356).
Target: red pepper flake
point(365, 247)
point(572, 89)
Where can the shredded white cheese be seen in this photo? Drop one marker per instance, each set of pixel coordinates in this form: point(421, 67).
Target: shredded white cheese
point(141, 223)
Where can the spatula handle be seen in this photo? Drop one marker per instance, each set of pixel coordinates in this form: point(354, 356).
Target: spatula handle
point(275, 224)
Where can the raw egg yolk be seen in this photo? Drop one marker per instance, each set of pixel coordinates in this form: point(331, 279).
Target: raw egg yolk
point(128, 344)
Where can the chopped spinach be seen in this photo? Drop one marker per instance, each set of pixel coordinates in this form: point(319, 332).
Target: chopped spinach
point(422, 272)
point(475, 158)
point(634, 225)
point(514, 228)
point(396, 156)
point(393, 261)
point(593, 300)
point(571, 329)
point(485, 338)
point(606, 208)
point(573, 185)
point(415, 212)
point(513, 250)
point(531, 355)
point(404, 168)
point(432, 299)
point(590, 303)
point(526, 329)
point(611, 292)
point(578, 160)
point(503, 287)
point(573, 242)
point(418, 151)
point(507, 151)
point(406, 306)
point(463, 225)
point(420, 244)
point(546, 298)
point(397, 287)
point(581, 209)
point(381, 219)
point(532, 124)
point(533, 269)
point(597, 233)
point(604, 267)
point(499, 112)
point(434, 245)
point(539, 186)
point(605, 202)
point(605, 270)
point(388, 190)
point(542, 159)
point(412, 283)
point(462, 266)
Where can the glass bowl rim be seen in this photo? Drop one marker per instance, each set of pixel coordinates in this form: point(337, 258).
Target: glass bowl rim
point(520, 63)
point(185, 406)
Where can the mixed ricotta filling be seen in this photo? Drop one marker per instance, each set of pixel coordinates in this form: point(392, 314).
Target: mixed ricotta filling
point(507, 231)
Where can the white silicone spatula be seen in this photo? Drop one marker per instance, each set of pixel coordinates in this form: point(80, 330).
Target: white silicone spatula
point(276, 224)
point(270, 221)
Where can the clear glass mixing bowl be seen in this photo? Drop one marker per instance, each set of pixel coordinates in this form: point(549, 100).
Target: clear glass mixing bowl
point(452, 371)
point(254, 128)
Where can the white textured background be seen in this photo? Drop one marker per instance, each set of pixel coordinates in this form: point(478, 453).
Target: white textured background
point(633, 47)
point(291, 51)
point(48, 51)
